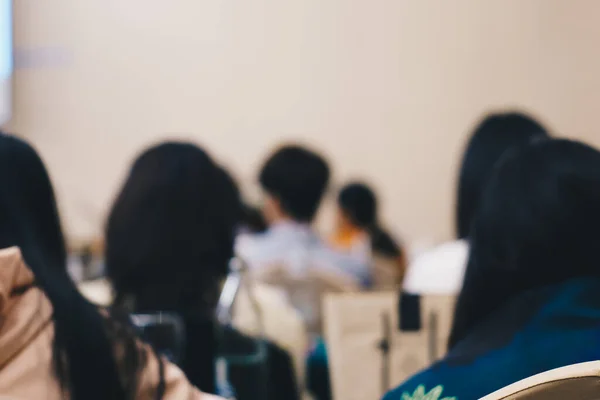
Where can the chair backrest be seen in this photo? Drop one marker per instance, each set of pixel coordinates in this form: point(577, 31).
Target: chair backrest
point(355, 329)
point(282, 323)
point(355, 325)
point(164, 331)
point(437, 313)
point(576, 382)
point(306, 291)
point(413, 351)
point(385, 273)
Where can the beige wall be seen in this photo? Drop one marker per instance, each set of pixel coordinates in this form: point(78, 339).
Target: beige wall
point(387, 88)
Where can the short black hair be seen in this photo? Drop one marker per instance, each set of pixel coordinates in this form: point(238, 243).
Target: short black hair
point(298, 178)
point(537, 225)
point(496, 134)
point(171, 231)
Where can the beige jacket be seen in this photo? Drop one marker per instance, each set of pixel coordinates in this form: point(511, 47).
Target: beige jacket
point(26, 334)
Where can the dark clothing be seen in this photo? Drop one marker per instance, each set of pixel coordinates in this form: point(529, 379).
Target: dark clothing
point(317, 372)
point(203, 337)
point(537, 331)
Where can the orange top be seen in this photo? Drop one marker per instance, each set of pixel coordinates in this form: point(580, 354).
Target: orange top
point(346, 239)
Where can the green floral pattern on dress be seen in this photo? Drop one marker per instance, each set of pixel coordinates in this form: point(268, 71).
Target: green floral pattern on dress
point(433, 394)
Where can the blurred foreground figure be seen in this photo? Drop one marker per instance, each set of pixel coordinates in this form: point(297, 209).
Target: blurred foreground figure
point(169, 240)
point(440, 271)
point(529, 301)
point(53, 343)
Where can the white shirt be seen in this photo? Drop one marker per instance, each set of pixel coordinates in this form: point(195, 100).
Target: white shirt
point(440, 270)
point(297, 246)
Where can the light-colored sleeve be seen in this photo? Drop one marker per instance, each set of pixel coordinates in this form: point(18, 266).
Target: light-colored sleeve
point(176, 385)
point(246, 247)
point(355, 268)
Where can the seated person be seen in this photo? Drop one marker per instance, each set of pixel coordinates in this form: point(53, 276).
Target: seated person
point(529, 301)
point(55, 344)
point(358, 230)
point(294, 180)
point(440, 270)
point(169, 240)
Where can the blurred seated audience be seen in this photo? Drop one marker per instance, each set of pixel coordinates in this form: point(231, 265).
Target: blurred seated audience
point(55, 344)
point(169, 240)
point(359, 233)
point(529, 301)
point(440, 270)
point(294, 180)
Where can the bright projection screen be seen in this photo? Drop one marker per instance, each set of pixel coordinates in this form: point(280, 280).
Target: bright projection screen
point(6, 62)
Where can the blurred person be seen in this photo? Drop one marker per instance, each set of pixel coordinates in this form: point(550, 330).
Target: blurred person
point(253, 220)
point(530, 300)
point(280, 322)
point(169, 240)
point(54, 343)
point(33, 190)
point(440, 270)
point(358, 230)
point(294, 180)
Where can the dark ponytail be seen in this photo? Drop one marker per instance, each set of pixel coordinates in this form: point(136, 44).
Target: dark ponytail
point(383, 243)
point(360, 206)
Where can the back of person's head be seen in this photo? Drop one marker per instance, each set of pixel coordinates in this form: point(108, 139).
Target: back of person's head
point(537, 225)
point(29, 185)
point(297, 179)
point(170, 233)
point(496, 134)
point(83, 354)
point(358, 203)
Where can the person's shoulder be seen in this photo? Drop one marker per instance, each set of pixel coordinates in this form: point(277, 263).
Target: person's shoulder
point(350, 266)
point(157, 371)
point(256, 246)
point(249, 241)
point(420, 392)
point(427, 384)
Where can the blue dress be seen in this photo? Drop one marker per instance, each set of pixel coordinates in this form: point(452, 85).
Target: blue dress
point(562, 329)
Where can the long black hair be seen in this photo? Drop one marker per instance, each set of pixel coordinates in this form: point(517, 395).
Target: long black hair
point(496, 134)
point(84, 360)
point(171, 231)
point(537, 225)
point(30, 186)
point(359, 204)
